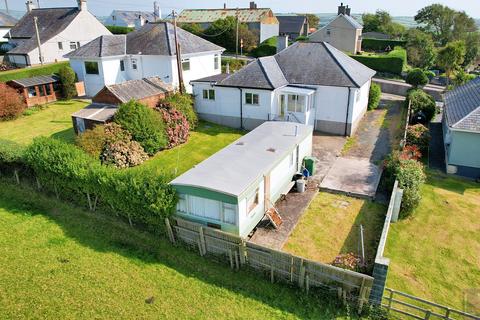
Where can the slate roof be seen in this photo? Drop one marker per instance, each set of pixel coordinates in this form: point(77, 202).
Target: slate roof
point(291, 24)
point(233, 169)
point(462, 106)
point(131, 16)
point(7, 20)
point(352, 21)
point(151, 39)
point(303, 63)
point(215, 78)
point(245, 15)
point(51, 21)
point(138, 89)
point(35, 81)
point(97, 111)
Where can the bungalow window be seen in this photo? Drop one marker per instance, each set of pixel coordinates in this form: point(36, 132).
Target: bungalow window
point(216, 62)
point(91, 67)
point(251, 98)
point(296, 103)
point(60, 45)
point(122, 65)
point(185, 64)
point(209, 94)
point(252, 202)
point(32, 92)
point(73, 45)
point(229, 213)
point(134, 64)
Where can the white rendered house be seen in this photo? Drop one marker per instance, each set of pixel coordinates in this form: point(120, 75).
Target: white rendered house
point(309, 83)
point(147, 52)
point(61, 31)
point(6, 23)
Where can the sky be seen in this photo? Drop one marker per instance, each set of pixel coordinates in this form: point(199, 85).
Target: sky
point(395, 7)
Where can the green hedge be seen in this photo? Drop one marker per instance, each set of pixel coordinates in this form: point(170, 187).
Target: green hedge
point(266, 48)
point(119, 30)
point(381, 44)
point(393, 62)
point(31, 72)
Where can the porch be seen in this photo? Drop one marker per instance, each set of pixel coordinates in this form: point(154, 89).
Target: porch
point(294, 104)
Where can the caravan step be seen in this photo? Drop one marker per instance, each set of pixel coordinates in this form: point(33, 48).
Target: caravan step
point(274, 217)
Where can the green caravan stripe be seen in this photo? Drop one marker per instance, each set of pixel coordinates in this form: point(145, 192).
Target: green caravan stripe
point(205, 193)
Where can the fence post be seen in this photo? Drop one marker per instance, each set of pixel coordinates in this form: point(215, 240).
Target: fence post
point(237, 262)
point(301, 275)
point(243, 252)
point(291, 269)
point(202, 242)
point(230, 256)
point(15, 174)
point(169, 230)
point(307, 282)
point(428, 314)
point(390, 298)
point(361, 296)
point(447, 314)
point(272, 269)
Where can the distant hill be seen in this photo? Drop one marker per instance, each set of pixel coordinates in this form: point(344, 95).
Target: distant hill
point(14, 13)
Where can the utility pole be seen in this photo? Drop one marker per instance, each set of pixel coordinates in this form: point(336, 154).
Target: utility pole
point(236, 38)
point(178, 54)
point(39, 44)
point(6, 6)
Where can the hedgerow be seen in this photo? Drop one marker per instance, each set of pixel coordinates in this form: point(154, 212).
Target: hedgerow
point(393, 62)
point(374, 96)
point(422, 102)
point(381, 44)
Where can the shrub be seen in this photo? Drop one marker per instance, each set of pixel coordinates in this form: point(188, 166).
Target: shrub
point(114, 133)
point(120, 29)
point(184, 104)
point(461, 78)
point(422, 101)
point(411, 152)
point(11, 103)
point(374, 96)
point(233, 64)
point(416, 77)
point(381, 44)
point(67, 79)
point(176, 126)
point(430, 74)
point(123, 154)
point(418, 135)
point(92, 141)
point(266, 48)
point(393, 62)
point(349, 261)
point(144, 124)
point(410, 175)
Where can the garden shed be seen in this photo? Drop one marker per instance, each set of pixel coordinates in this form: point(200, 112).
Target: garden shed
point(37, 90)
point(233, 189)
point(92, 115)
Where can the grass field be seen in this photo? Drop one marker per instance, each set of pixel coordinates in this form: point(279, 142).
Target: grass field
point(64, 263)
point(330, 226)
point(435, 253)
point(31, 72)
point(54, 121)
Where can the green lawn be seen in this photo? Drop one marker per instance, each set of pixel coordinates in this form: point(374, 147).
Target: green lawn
point(435, 253)
point(207, 139)
point(330, 226)
point(54, 121)
point(31, 72)
point(60, 262)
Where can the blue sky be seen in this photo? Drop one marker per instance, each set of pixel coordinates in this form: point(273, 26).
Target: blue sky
point(395, 7)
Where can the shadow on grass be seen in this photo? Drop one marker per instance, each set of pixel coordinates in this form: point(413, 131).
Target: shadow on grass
point(455, 184)
point(107, 234)
point(213, 129)
point(67, 135)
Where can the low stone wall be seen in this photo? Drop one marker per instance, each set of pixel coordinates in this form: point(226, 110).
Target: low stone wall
point(400, 88)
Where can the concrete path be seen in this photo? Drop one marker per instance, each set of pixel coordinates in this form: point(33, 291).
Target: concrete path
point(436, 151)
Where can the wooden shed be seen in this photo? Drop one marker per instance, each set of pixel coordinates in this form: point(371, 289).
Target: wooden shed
point(92, 115)
point(37, 90)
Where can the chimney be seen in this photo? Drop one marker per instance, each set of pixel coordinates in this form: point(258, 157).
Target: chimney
point(253, 5)
point(82, 5)
point(224, 6)
point(341, 9)
point(30, 5)
point(348, 10)
point(157, 13)
point(139, 22)
point(282, 42)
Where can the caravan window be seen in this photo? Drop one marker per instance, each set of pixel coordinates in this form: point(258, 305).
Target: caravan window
point(212, 209)
point(229, 213)
point(182, 203)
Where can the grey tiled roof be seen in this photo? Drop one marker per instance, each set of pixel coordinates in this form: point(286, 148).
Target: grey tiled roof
point(307, 63)
point(291, 24)
point(131, 16)
point(352, 21)
point(35, 81)
point(51, 21)
point(138, 89)
point(151, 39)
point(7, 20)
point(215, 78)
point(462, 106)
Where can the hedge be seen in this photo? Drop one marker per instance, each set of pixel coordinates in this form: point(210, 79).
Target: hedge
point(45, 70)
point(393, 62)
point(120, 29)
point(381, 44)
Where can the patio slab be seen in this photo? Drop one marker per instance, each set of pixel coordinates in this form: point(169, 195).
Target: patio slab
point(353, 176)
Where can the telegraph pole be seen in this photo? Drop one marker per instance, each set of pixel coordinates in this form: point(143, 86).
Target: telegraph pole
point(39, 44)
point(178, 54)
point(6, 6)
point(236, 38)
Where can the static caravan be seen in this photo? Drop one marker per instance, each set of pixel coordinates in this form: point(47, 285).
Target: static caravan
point(234, 188)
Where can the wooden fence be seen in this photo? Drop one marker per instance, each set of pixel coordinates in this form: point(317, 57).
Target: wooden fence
point(278, 265)
point(411, 307)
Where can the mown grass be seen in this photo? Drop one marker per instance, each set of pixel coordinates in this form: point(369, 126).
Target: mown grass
point(53, 121)
point(435, 253)
point(31, 72)
point(61, 262)
point(330, 226)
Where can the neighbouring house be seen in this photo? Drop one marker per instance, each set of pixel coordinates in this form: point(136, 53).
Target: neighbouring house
point(147, 91)
point(343, 32)
point(309, 83)
point(461, 129)
point(147, 52)
point(131, 19)
point(293, 26)
point(37, 90)
point(375, 35)
point(7, 22)
point(61, 30)
point(262, 21)
point(233, 189)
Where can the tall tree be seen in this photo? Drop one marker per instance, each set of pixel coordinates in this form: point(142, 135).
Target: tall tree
point(313, 20)
point(381, 21)
point(472, 43)
point(451, 57)
point(223, 33)
point(420, 48)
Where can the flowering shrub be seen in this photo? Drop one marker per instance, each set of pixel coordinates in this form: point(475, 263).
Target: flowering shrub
point(418, 135)
point(184, 104)
point(123, 154)
point(115, 132)
point(177, 127)
point(349, 261)
point(411, 152)
point(11, 103)
point(92, 141)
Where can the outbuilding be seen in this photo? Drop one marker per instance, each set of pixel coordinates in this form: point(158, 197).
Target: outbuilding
point(37, 90)
point(233, 189)
point(92, 115)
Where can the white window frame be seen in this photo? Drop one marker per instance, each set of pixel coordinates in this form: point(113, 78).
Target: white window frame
point(186, 64)
point(60, 45)
point(134, 64)
point(73, 45)
point(222, 206)
point(298, 108)
point(208, 94)
point(216, 60)
point(252, 98)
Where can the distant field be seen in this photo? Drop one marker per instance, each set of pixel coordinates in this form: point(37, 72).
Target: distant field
point(47, 69)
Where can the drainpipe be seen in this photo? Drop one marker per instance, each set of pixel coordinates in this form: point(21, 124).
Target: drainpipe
point(347, 113)
point(241, 108)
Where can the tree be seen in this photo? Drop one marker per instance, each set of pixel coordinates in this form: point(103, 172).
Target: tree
point(11, 103)
point(223, 33)
point(416, 77)
point(381, 21)
point(472, 43)
point(194, 28)
point(451, 57)
point(420, 49)
point(67, 79)
point(313, 20)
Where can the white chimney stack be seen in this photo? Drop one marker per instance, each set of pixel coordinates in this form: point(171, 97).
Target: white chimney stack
point(282, 42)
point(30, 5)
point(82, 5)
point(156, 11)
point(139, 22)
